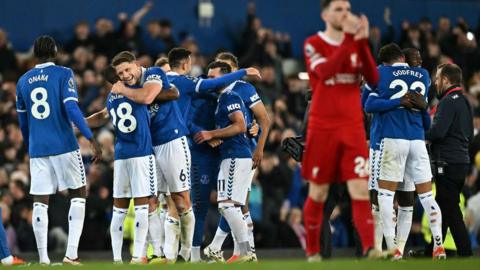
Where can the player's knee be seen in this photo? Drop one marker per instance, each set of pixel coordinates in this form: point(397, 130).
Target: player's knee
point(318, 193)
point(374, 197)
point(225, 206)
point(152, 203)
point(245, 209)
point(78, 193)
point(358, 190)
point(405, 198)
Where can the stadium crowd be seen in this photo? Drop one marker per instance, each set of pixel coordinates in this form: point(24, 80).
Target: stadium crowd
point(278, 191)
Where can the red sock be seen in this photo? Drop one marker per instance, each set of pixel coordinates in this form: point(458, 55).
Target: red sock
point(312, 219)
point(363, 221)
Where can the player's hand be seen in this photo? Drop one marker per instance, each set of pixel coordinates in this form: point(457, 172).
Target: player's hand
point(351, 24)
point(202, 136)
point(405, 102)
point(418, 100)
point(254, 129)
point(214, 142)
point(251, 71)
point(257, 158)
point(117, 88)
point(96, 150)
point(364, 29)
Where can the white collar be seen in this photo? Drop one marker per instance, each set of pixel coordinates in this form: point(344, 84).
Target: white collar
point(44, 65)
point(328, 40)
point(142, 78)
point(173, 73)
point(227, 89)
point(399, 64)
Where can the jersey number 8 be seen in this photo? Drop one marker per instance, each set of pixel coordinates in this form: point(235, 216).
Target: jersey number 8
point(124, 112)
point(40, 102)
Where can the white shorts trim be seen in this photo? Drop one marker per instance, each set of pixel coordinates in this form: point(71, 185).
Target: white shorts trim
point(135, 177)
point(234, 179)
point(173, 166)
point(59, 172)
point(405, 160)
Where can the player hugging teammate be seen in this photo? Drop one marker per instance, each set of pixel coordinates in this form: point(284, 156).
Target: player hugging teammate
point(152, 114)
point(335, 151)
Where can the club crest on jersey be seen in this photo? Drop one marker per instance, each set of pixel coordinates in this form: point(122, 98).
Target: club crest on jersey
point(235, 106)
point(204, 179)
point(309, 50)
point(353, 59)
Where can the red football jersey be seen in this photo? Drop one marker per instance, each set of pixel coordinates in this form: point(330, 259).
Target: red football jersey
point(335, 71)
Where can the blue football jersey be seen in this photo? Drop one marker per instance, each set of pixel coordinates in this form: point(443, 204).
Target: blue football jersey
point(201, 114)
point(395, 81)
point(375, 124)
point(187, 87)
point(132, 127)
point(168, 123)
point(238, 145)
point(250, 98)
point(42, 93)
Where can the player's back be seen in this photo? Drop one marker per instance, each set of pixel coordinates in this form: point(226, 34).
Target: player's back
point(41, 93)
point(132, 127)
point(250, 98)
point(201, 114)
point(335, 100)
point(167, 122)
point(395, 82)
point(236, 146)
point(186, 85)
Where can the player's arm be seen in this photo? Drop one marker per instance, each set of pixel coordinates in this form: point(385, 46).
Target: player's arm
point(326, 67)
point(377, 104)
point(149, 91)
point(369, 69)
point(169, 94)
point(22, 116)
point(75, 115)
point(236, 127)
point(441, 122)
point(204, 85)
point(263, 120)
point(98, 119)
point(366, 91)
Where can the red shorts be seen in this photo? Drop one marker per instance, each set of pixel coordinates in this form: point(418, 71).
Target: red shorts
point(335, 156)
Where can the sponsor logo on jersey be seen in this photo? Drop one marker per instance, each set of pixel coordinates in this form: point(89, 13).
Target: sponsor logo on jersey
point(153, 77)
point(235, 106)
point(254, 98)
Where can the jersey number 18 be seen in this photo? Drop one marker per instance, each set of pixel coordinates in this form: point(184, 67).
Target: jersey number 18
point(124, 112)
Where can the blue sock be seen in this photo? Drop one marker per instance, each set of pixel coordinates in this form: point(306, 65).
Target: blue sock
point(4, 251)
point(203, 182)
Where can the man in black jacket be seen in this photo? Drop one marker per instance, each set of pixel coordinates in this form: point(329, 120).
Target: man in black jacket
point(450, 134)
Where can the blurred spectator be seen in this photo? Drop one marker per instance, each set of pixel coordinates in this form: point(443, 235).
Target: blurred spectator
point(82, 38)
point(9, 62)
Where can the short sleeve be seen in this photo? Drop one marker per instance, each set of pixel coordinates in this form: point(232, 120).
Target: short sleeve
point(252, 95)
point(153, 75)
point(20, 103)
point(69, 88)
point(232, 103)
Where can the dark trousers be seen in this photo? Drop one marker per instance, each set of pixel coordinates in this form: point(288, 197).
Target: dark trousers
point(449, 186)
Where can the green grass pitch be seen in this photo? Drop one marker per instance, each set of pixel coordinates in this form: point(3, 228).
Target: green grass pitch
point(348, 264)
